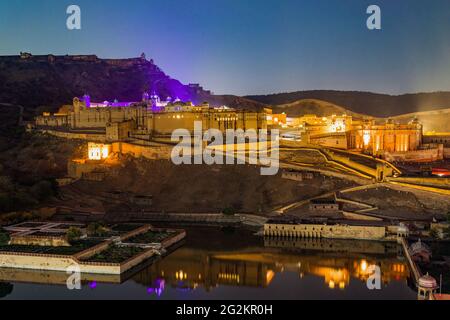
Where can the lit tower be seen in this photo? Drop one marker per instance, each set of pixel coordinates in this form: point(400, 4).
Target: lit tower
point(145, 97)
point(87, 100)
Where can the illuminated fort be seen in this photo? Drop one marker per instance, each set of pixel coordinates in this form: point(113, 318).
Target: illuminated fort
point(154, 118)
point(151, 116)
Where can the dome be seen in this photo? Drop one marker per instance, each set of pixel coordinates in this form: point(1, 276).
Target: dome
point(428, 282)
point(419, 247)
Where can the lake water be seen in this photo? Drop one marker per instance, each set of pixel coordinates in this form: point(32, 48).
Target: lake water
point(235, 264)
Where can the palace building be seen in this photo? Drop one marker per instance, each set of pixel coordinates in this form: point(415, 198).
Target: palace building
point(382, 138)
point(151, 116)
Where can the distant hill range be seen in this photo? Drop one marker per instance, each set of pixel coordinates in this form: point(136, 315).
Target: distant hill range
point(373, 104)
point(313, 106)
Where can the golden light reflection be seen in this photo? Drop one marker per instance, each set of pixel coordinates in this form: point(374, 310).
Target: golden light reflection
point(269, 276)
point(363, 265)
point(180, 275)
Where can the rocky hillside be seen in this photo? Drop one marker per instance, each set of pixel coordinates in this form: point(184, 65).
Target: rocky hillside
point(47, 82)
point(374, 104)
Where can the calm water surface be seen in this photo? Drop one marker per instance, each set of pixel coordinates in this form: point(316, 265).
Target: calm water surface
point(213, 264)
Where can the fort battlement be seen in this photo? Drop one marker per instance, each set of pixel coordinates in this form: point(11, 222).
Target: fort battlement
point(91, 58)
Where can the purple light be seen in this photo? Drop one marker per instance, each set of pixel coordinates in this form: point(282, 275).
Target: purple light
point(93, 285)
point(158, 289)
point(87, 100)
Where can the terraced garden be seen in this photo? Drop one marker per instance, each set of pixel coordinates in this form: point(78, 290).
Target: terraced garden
point(115, 254)
point(75, 248)
point(150, 237)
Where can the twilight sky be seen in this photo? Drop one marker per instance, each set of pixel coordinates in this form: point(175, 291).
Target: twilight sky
point(250, 46)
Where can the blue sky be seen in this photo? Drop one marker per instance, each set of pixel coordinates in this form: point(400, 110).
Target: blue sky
point(250, 46)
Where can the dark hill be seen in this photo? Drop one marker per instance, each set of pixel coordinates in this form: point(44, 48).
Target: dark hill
point(374, 104)
point(52, 81)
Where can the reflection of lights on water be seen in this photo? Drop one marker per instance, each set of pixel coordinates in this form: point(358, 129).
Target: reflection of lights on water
point(331, 284)
point(363, 265)
point(158, 289)
point(180, 275)
point(269, 276)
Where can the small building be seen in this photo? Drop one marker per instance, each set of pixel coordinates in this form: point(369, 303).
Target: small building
point(420, 252)
point(25, 55)
point(427, 286)
point(324, 206)
point(402, 231)
point(78, 169)
point(97, 151)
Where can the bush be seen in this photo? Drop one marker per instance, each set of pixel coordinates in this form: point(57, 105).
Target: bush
point(6, 203)
point(229, 211)
point(74, 234)
point(434, 234)
point(42, 190)
point(95, 229)
point(447, 233)
point(5, 289)
point(4, 237)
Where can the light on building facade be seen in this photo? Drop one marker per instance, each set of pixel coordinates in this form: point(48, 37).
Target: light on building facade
point(366, 138)
point(98, 151)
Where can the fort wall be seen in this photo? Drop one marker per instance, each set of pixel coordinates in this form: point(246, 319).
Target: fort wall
point(427, 155)
point(325, 231)
point(156, 152)
point(94, 137)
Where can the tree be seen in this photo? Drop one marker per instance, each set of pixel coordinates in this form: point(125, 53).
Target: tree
point(447, 233)
point(434, 234)
point(95, 229)
point(74, 234)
